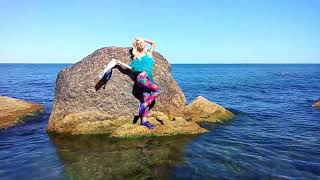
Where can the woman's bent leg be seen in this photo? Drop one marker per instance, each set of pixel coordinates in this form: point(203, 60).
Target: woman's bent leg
point(144, 82)
point(154, 94)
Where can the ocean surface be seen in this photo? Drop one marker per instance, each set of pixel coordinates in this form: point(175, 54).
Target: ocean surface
point(275, 135)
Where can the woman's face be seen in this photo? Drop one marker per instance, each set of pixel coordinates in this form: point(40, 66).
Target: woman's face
point(140, 44)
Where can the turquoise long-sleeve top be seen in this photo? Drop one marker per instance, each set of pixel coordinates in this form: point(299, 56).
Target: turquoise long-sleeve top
point(144, 63)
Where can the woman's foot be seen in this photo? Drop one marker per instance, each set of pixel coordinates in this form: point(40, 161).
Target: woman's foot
point(147, 124)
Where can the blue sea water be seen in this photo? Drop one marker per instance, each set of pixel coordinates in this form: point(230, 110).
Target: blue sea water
point(275, 135)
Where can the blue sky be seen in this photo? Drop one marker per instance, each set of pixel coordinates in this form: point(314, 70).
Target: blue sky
point(213, 31)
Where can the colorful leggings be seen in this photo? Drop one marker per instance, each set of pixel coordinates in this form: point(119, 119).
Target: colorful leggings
point(150, 90)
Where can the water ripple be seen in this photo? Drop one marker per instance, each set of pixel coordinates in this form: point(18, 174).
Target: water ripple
point(275, 134)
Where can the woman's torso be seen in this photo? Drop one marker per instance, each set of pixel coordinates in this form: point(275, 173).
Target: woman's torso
point(144, 63)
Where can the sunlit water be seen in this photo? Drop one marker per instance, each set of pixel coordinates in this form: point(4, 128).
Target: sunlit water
point(275, 135)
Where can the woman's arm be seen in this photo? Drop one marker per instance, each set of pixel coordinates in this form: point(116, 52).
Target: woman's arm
point(152, 43)
point(123, 64)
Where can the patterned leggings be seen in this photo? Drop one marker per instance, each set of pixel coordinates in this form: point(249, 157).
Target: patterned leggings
point(150, 91)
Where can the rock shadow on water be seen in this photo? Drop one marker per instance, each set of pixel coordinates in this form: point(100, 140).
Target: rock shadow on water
point(98, 157)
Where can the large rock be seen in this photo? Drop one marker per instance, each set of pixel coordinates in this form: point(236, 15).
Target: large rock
point(81, 106)
point(14, 111)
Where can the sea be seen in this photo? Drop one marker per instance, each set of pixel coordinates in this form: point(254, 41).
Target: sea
point(275, 134)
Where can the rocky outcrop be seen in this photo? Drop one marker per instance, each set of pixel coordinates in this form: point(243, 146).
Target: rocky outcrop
point(81, 106)
point(163, 127)
point(14, 111)
point(125, 126)
point(316, 104)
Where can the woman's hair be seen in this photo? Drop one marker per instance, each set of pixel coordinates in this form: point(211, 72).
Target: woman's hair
point(134, 47)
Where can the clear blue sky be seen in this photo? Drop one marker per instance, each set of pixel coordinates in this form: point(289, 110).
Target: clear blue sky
point(212, 31)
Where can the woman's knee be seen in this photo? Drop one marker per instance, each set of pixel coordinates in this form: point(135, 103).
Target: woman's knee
point(155, 87)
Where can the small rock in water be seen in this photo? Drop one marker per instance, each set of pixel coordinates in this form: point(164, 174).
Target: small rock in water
point(316, 104)
point(13, 111)
point(203, 110)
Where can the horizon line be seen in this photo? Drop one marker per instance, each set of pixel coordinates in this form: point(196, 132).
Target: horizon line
point(169, 63)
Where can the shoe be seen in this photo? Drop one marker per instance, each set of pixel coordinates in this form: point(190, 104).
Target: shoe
point(147, 124)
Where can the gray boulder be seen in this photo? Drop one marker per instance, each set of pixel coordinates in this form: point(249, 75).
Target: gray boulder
point(85, 104)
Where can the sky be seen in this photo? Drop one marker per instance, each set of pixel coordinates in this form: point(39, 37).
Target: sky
point(189, 31)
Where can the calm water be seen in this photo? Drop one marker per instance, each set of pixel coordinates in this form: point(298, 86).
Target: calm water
point(276, 133)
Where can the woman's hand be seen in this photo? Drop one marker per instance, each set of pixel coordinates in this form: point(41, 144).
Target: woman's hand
point(150, 41)
point(153, 45)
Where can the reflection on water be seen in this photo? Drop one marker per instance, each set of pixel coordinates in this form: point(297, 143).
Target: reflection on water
point(98, 157)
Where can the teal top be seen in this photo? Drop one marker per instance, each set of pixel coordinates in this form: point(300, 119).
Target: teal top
point(144, 63)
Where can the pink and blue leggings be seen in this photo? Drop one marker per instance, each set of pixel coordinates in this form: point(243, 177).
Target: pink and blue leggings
point(150, 90)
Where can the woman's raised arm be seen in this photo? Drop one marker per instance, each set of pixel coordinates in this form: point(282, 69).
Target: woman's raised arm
point(152, 43)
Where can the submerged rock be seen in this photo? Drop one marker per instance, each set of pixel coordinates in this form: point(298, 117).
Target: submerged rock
point(99, 157)
point(81, 106)
point(316, 104)
point(14, 111)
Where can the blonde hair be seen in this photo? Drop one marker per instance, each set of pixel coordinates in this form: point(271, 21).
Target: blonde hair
point(134, 47)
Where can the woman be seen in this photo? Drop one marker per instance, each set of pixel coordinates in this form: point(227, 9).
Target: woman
point(141, 67)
